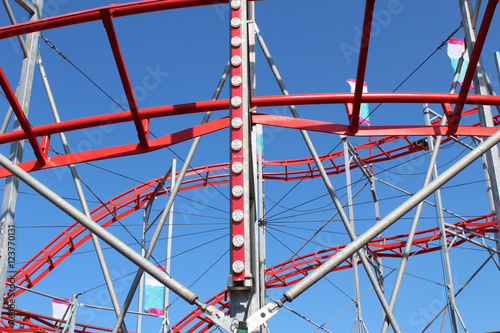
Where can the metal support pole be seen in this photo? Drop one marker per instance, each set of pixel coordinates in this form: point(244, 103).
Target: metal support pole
point(170, 227)
point(418, 210)
point(444, 246)
point(330, 189)
point(357, 300)
point(173, 193)
point(413, 230)
point(390, 219)
point(485, 116)
point(9, 201)
point(72, 319)
point(145, 219)
point(13, 21)
point(497, 63)
point(81, 195)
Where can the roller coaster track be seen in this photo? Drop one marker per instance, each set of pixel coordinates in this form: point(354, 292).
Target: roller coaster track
point(132, 200)
point(280, 275)
point(292, 271)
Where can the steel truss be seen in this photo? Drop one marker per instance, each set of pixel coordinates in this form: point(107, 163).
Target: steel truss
point(242, 306)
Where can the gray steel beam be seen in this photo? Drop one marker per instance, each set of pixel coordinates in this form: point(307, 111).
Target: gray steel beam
point(29, 7)
point(13, 21)
point(170, 229)
point(350, 210)
point(387, 221)
point(170, 202)
point(329, 187)
point(492, 159)
point(81, 195)
point(8, 211)
point(444, 247)
point(146, 214)
point(497, 63)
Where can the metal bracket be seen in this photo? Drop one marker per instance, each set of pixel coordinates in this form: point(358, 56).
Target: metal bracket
point(219, 318)
point(262, 316)
point(231, 324)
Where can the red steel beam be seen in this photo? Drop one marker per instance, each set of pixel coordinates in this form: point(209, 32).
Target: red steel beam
point(107, 19)
point(127, 9)
point(21, 117)
point(125, 150)
point(401, 130)
point(262, 101)
point(363, 56)
point(474, 59)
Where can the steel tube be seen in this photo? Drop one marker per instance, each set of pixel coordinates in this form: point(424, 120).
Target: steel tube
point(416, 219)
point(390, 219)
point(9, 201)
point(357, 299)
point(13, 21)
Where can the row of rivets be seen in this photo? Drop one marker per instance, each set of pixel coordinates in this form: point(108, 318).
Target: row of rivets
point(238, 240)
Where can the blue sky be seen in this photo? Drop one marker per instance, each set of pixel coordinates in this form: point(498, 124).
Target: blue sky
point(180, 55)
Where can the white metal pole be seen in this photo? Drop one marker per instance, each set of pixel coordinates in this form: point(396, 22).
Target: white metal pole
point(169, 247)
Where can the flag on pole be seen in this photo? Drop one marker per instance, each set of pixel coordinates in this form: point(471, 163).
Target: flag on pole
point(59, 309)
point(154, 302)
point(456, 48)
point(363, 111)
point(260, 142)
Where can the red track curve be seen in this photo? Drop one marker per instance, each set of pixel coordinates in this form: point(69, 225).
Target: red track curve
point(132, 200)
point(290, 272)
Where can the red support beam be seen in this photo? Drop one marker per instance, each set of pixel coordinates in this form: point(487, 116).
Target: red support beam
point(127, 9)
point(107, 19)
point(400, 130)
point(21, 117)
point(125, 150)
point(363, 56)
point(474, 59)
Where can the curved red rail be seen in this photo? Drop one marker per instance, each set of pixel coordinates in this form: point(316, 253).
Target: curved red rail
point(292, 271)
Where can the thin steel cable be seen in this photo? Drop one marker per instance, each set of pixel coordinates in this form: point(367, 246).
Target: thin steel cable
point(52, 46)
point(300, 181)
point(135, 272)
point(116, 218)
point(333, 284)
point(443, 43)
point(201, 276)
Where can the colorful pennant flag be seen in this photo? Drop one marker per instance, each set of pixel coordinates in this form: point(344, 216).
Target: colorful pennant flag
point(456, 47)
point(363, 112)
point(154, 302)
point(260, 142)
point(59, 309)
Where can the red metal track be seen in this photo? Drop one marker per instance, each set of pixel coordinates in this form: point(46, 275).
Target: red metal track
point(35, 323)
point(292, 271)
point(283, 274)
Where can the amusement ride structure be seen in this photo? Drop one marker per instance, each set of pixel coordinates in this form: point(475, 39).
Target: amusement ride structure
point(375, 222)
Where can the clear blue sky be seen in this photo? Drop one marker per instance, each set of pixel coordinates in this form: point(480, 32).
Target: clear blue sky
point(314, 46)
